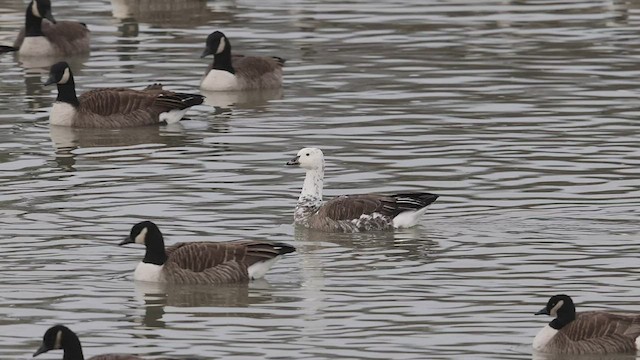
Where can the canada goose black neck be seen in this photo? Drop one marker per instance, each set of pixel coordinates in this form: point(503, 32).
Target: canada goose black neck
point(71, 346)
point(33, 24)
point(67, 92)
point(565, 313)
point(155, 253)
point(222, 61)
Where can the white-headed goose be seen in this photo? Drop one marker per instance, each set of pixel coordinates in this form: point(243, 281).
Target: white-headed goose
point(61, 337)
point(114, 107)
point(590, 332)
point(352, 213)
point(42, 35)
point(238, 72)
point(202, 262)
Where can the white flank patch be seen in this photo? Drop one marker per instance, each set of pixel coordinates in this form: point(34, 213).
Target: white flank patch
point(141, 238)
point(148, 272)
point(36, 46)
point(62, 114)
point(638, 343)
point(219, 80)
point(34, 9)
point(544, 336)
point(259, 269)
point(172, 116)
point(408, 218)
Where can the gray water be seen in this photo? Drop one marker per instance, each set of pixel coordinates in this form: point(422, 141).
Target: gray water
point(522, 115)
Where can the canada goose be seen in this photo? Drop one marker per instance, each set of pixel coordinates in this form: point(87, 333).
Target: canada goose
point(202, 262)
point(114, 107)
point(591, 332)
point(50, 37)
point(238, 72)
point(352, 213)
point(61, 337)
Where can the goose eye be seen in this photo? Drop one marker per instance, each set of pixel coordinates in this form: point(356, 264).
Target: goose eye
point(307, 154)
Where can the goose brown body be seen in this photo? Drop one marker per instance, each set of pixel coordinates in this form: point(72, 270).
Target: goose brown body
point(202, 262)
point(114, 107)
point(42, 35)
point(218, 263)
point(352, 213)
point(239, 72)
point(120, 107)
point(364, 212)
point(597, 332)
point(590, 332)
point(66, 37)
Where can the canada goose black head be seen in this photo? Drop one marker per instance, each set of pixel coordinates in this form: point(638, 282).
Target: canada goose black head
point(562, 308)
point(61, 337)
point(148, 234)
point(60, 74)
point(40, 9)
point(216, 44)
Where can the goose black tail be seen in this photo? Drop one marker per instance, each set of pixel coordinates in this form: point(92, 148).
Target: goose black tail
point(190, 99)
point(414, 201)
point(283, 248)
point(6, 49)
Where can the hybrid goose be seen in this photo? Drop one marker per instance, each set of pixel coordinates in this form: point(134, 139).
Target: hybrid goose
point(352, 213)
point(238, 72)
point(202, 262)
point(44, 36)
point(61, 337)
point(114, 107)
point(591, 332)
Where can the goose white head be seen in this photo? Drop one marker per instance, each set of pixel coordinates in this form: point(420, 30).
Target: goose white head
point(312, 160)
point(309, 159)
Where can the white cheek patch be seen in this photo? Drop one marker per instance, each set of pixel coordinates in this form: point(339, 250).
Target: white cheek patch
point(58, 342)
point(222, 45)
point(65, 77)
point(554, 310)
point(140, 239)
point(34, 9)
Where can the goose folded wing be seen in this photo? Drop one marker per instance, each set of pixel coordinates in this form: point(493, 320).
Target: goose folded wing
point(598, 333)
point(201, 256)
point(64, 31)
point(347, 207)
point(251, 67)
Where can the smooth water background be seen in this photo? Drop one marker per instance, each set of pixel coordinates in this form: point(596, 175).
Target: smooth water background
point(523, 115)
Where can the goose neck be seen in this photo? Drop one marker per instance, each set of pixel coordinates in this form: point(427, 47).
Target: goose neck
point(222, 61)
point(312, 187)
point(155, 252)
point(71, 347)
point(67, 93)
point(32, 24)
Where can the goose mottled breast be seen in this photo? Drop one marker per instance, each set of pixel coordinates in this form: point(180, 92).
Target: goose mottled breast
point(238, 72)
point(114, 107)
point(202, 262)
point(352, 213)
point(591, 332)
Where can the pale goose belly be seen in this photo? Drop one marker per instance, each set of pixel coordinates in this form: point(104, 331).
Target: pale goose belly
point(148, 272)
point(37, 46)
point(62, 114)
point(220, 80)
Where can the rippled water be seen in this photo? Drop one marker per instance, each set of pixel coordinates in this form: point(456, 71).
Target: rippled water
point(522, 115)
